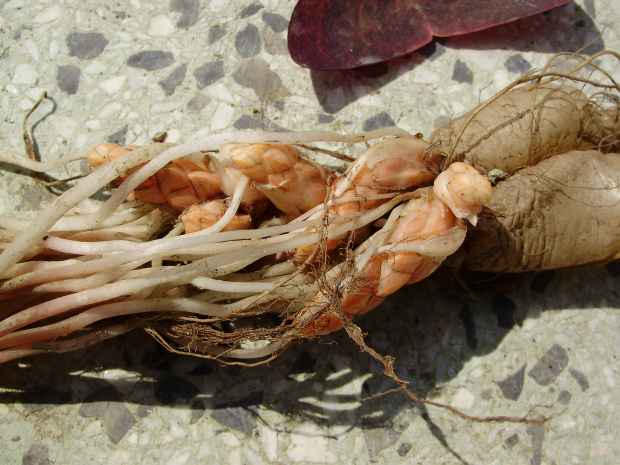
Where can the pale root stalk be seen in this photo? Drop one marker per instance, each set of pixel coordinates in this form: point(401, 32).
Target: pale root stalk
point(110, 171)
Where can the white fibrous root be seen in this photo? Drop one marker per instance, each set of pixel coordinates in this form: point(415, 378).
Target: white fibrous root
point(231, 246)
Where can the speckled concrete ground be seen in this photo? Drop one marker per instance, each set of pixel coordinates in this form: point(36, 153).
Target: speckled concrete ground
point(124, 71)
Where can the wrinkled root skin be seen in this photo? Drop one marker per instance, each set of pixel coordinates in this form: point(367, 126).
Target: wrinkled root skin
point(519, 129)
point(563, 212)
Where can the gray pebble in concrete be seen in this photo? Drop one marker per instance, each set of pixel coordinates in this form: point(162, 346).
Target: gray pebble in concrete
point(247, 41)
point(512, 441)
point(107, 405)
point(276, 22)
point(256, 75)
point(36, 455)
point(549, 366)
point(378, 121)
point(86, 45)
point(151, 60)
point(116, 421)
point(325, 119)
point(198, 102)
point(581, 379)
point(263, 124)
point(512, 386)
point(119, 137)
point(174, 79)
point(564, 397)
point(68, 79)
point(250, 10)
point(537, 436)
point(462, 73)
point(209, 73)
point(189, 10)
point(378, 439)
point(517, 64)
point(198, 411)
point(93, 409)
point(275, 45)
point(215, 34)
point(237, 418)
point(404, 448)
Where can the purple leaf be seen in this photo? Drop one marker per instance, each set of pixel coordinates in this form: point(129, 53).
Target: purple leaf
point(343, 34)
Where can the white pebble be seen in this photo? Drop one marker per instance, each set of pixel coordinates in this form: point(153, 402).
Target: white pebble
point(32, 49)
point(229, 439)
point(599, 449)
point(423, 75)
point(25, 74)
point(113, 84)
point(173, 136)
point(91, 430)
point(110, 108)
point(218, 5)
point(219, 92)
point(161, 26)
point(47, 15)
point(165, 107)
point(124, 36)
point(11, 5)
point(132, 439)
point(269, 438)
point(177, 431)
point(234, 458)
point(93, 124)
point(609, 377)
point(501, 79)
point(180, 457)
point(95, 67)
point(64, 125)
point(485, 60)
point(457, 107)
point(222, 117)
point(53, 48)
point(25, 104)
point(120, 456)
point(81, 141)
point(463, 399)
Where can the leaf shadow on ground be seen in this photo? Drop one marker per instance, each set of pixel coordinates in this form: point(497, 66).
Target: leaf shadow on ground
point(539, 33)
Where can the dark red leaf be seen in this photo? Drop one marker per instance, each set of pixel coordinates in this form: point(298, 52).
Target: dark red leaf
point(343, 34)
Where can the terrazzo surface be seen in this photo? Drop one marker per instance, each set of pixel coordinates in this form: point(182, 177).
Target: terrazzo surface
point(126, 71)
